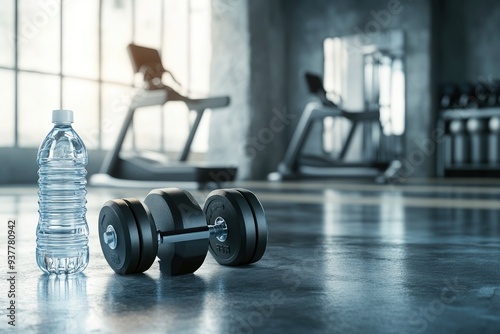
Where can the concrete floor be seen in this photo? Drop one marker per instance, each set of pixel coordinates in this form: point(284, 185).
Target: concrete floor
point(342, 258)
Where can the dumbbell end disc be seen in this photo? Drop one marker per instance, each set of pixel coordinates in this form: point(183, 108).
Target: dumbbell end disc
point(123, 257)
point(147, 234)
point(260, 223)
point(239, 246)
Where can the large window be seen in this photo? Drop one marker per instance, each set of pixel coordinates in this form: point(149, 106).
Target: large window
point(72, 54)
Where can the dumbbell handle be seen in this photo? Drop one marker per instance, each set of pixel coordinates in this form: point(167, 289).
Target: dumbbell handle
point(219, 230)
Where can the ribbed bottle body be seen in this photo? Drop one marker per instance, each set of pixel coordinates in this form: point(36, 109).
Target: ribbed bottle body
point(62, 231)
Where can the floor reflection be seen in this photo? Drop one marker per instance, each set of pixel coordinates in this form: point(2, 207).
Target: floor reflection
point(174, 299)
point(66, 297)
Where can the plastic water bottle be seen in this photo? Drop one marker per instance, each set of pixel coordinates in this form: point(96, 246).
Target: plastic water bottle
point(62, 231)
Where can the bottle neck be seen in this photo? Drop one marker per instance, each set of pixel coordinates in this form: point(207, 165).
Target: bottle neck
point(62, 125)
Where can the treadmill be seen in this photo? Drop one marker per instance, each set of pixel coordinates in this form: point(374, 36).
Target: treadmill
point(297, 165)
point(122, 169)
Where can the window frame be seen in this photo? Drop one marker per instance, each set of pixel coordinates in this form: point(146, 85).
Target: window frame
point(99, 81)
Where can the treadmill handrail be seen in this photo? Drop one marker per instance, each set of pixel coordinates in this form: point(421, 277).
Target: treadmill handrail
point(147, 98)
point(313, 111)
point(373, 115)
point(208, 103)
point(161, 96)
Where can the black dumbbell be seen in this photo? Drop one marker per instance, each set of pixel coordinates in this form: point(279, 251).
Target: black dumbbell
point(477, 130)
point(482, 93)
point(449, 96)
point(171, 225)
point(494, 140)
point(467, 97)
point(494, 96)
point(459, 141)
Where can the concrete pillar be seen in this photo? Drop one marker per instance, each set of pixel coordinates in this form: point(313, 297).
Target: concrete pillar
point(248, 65)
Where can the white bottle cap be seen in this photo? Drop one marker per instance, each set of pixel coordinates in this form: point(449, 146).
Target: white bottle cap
point(62, 116)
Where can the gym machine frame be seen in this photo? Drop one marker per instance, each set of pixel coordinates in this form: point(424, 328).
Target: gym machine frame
point(292, 165)
point(464, 153)
point(148, 62)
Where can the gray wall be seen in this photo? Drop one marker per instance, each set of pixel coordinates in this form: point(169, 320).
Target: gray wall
point(469, 42)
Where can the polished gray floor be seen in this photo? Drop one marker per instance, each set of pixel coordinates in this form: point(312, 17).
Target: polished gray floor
point(423, 257)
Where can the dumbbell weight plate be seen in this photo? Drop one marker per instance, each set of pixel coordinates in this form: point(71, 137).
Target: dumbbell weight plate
point(125, 258)
point(175, 210)
point(260, 223)
point(239, 246)
point(147, 233)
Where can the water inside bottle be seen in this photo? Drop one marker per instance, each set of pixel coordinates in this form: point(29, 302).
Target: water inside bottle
point(62, 231)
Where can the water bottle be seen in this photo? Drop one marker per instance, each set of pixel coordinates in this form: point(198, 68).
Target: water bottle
point(62, 231)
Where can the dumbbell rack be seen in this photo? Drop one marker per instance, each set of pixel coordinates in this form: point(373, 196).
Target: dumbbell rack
point(466, 153)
